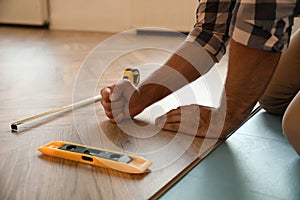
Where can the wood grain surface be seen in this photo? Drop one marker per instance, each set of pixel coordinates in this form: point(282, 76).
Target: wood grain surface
point(42, 70)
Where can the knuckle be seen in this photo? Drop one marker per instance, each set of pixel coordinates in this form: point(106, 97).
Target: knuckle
point(173, 126)
point(109, 114)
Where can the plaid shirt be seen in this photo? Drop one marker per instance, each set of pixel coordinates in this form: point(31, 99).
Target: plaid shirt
point(261, 24)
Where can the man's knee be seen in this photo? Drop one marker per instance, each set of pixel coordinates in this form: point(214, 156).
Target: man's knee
point(272, 105)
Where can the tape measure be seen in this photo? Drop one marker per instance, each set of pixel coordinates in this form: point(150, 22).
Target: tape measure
point(133, 75)
point(98, 157)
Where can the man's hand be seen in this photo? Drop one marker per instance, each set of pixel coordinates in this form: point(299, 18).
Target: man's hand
point(120, 101)
point(197, 120)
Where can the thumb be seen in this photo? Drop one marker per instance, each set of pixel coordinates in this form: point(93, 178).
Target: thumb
point(120, 89)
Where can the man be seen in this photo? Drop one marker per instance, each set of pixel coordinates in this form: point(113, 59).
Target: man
point(258, 32)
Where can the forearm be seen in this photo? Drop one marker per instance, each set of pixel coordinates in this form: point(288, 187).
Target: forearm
point(173, 75)
point(188, 63)
point(249, 72)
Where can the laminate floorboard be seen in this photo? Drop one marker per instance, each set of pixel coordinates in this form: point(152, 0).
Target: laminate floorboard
point(42, 70)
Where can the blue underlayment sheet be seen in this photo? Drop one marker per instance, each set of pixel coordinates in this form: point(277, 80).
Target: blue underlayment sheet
point(256, 162)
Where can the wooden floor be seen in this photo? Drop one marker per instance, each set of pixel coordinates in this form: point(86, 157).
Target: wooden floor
point(42, 70)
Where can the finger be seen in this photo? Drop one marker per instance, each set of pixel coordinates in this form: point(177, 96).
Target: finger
point(119, 89)
point(109, 106)
point(120, 103)
point(182, 128)
point(106, 105)
point(176, 111)
point(124, 88)
point(120, 117)
point(171, 127)
point(171, 117)
point(105, 93)
point(116, 119)
point(160, 121)
point(110, 114)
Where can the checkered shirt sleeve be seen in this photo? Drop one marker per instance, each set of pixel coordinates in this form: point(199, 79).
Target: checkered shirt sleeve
point(260, 24)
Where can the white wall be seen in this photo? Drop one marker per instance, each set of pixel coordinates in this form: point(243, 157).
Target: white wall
point(179, 15)
point(120, 15)
point(91, 15)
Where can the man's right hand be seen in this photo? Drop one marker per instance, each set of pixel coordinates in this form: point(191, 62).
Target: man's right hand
point(120, 101)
